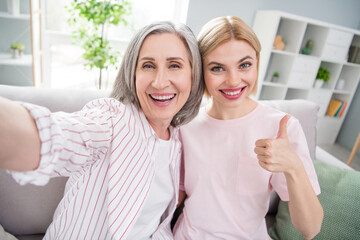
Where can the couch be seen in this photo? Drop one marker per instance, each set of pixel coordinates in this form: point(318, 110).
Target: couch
point(26, 211)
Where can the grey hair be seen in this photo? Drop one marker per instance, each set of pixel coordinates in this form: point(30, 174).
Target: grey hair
point(125, 88)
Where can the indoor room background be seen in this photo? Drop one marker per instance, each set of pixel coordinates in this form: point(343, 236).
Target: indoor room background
point(344, 13)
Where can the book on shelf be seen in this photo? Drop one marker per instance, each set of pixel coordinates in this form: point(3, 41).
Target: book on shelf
point(342, 109)
point(336, 108)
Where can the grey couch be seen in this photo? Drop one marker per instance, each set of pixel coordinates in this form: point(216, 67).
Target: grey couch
point(26, 211)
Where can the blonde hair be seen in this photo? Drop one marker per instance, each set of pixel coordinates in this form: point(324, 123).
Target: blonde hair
point(223, 29)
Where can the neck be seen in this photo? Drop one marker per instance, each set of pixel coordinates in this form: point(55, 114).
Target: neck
point(221, 112)
point(161, 130)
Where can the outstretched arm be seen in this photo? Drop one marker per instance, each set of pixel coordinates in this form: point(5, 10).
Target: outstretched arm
point(277, 155)
point(19, 139)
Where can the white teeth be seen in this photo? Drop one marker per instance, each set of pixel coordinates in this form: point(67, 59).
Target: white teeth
point(167, 97)
point(232, 93)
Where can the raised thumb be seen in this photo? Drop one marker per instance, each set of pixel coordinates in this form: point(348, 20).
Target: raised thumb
point(283, 126)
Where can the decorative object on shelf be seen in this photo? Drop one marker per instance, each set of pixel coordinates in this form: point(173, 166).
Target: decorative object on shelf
point(308, 47)
point(89, 20)
point(323, 76)
point(17, 49)
point(279, 43)
point(340, 84)
point(13, 7)
point(275, 77)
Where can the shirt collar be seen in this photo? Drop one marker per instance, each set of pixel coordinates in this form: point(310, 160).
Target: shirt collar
point(147, 130)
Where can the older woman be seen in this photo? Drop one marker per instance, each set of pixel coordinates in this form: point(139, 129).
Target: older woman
point(122, 153)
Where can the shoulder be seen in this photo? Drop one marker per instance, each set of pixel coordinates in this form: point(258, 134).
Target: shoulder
point(111, 106)
point(198, 121)
point(104, 104)
point(273, 114)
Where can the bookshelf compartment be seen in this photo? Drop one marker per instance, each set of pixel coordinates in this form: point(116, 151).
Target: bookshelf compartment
point(293, 93)
point(292, 32)
point(318, 35)
point(272, 93)
point(354, 50)
point(349, 74)
point(280, 63)
point(334, 69)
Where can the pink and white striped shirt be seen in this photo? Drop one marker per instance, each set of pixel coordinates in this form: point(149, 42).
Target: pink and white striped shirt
point(107, 149)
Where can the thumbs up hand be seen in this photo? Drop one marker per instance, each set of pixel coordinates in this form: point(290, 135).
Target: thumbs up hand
point(277, 155)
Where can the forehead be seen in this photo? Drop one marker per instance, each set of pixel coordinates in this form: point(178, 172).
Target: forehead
point(163, 44)
point(232, 49)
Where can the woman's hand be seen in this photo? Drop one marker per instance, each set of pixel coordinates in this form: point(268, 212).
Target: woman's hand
point(277, 155)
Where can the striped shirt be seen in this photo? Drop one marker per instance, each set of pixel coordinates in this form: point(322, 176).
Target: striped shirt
point(107, 150)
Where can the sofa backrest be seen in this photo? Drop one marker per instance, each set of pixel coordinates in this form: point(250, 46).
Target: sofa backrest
point(29, 209)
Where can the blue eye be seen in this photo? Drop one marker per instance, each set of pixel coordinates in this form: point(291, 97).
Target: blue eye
point(217, 69)
point(148, 66)
point(245, 65)
point(174, 66)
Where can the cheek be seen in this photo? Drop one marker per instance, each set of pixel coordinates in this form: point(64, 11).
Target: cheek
point(252, 77)
point(184, 82)
point(211, 82)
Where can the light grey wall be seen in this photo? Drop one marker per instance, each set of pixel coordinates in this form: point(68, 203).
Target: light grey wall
point(340, 12)
point(351, 125)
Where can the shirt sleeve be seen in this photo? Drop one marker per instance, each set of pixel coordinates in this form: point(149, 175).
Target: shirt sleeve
point(298, 142)
point(70, 142)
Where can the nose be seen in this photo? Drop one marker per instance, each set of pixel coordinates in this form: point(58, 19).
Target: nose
point(233, 78)
point(161, 79)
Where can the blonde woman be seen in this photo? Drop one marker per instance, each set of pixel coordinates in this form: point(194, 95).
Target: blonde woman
point(236, 151)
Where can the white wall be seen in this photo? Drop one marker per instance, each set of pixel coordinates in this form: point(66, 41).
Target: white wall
point(340, 12)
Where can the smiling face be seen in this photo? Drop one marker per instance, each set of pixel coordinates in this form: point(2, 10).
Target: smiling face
point(230, 72)
point(163, 78)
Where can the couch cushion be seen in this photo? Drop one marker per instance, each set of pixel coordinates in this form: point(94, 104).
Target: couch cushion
point(67, 100)
point(340, 198)
point(28, 209)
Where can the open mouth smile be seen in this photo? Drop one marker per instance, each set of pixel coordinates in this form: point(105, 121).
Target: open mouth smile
point(162, 99)
point(232, 93)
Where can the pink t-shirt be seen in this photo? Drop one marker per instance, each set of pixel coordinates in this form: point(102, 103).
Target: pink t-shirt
point(228, 193)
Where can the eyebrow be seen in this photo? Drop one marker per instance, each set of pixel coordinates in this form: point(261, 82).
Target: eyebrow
point(220, 64)
point(167, 59)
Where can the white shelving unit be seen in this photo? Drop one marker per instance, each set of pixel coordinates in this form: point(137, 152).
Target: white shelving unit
point(6, 59)
point(298, 71)
point(33, 60)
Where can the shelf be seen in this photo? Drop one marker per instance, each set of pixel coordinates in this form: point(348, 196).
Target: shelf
point(273, 84)
point(6, 59)
point(298, 71)
point(283, 52)
point(11, 16)
point(342, 92)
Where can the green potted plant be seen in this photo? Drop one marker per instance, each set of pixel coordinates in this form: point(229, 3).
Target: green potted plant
point(275, 77)
point(322, 76)
point(17, 49)
point(89, 20)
